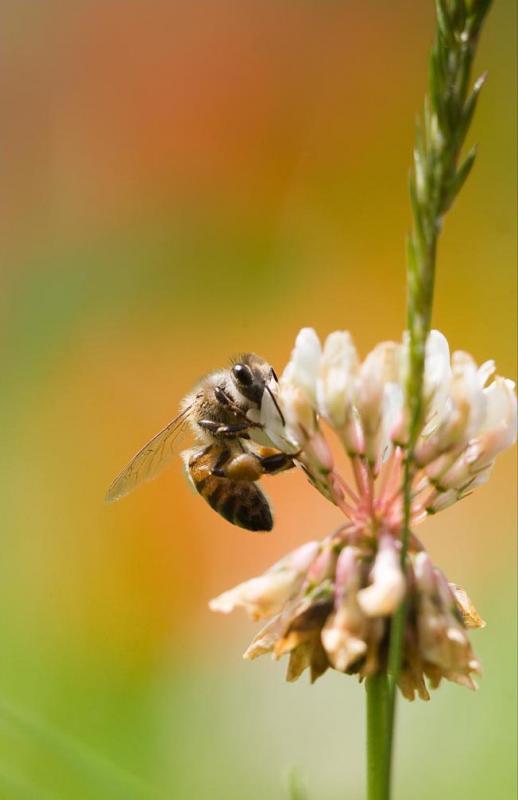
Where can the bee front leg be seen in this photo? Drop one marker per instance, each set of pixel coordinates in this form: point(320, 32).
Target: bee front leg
point(224, 400)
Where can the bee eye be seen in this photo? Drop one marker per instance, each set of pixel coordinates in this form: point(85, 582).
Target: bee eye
point(243, 374)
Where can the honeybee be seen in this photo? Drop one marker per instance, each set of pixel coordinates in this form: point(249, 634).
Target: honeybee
point(227, 463)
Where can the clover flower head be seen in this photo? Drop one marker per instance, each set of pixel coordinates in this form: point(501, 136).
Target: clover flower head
point(330, 603)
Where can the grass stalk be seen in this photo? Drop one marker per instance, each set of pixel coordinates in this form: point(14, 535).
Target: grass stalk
point(437, 175)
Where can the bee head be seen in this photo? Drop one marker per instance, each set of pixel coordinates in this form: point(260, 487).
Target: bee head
point(250, 375)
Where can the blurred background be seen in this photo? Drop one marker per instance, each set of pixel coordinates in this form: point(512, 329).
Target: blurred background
point(182, 181)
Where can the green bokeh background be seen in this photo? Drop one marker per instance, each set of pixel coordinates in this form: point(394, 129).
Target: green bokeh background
point(183, 181)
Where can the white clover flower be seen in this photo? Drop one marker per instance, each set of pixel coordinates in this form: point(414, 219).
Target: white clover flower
point(330, 604)
point(466, 422)
point(337, 613)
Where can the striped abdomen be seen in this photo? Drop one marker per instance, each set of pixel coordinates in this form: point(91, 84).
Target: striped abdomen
point(240, 502)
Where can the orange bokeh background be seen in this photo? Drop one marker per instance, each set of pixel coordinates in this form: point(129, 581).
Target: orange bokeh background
point(184, 181)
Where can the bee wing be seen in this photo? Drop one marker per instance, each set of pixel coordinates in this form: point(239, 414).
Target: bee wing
point(150, 460)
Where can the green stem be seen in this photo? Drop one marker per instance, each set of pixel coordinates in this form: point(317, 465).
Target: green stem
point(378, 737)
point(435, 181)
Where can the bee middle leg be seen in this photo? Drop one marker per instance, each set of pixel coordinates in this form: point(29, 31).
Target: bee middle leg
point(236, 430)
point(218, 467)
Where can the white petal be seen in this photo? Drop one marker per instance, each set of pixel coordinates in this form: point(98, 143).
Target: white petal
point(337, 376)
point(298, 411)
point(379, 397)
point(437, 376)
point(266, 594)
point(498, 430)
point(501, 407)
point(423, 570)
point(301, 559)
point(387, 589)
point(303, 367)
point(485, 371)
point(260, 597)
point(393, 406)
point(437, 360)
point(443, 500)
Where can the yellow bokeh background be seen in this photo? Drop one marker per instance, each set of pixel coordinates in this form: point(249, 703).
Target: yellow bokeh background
point(183, 181)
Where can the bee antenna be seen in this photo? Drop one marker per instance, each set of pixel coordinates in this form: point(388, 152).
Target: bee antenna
point(281, 415)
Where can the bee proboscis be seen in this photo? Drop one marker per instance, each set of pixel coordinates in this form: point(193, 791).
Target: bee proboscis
point(226, 464)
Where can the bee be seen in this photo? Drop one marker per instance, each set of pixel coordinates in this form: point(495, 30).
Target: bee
point(226, 465)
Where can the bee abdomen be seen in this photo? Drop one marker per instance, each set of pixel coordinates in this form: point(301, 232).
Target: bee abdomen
point(249, 508)
point(239, 502)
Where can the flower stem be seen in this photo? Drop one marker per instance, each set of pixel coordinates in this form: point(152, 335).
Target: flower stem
point(378, 749)
point(435, 180)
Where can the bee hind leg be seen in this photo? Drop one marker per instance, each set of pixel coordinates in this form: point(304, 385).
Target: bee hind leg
point(243, 467)
point(250, 467)
point(278, 462)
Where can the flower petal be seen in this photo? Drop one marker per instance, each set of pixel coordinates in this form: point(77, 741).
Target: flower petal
point(303, 367)
point(337, 378)
point(387, 589)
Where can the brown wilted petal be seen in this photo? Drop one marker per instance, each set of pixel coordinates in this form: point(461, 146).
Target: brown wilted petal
point(265, 640)
point(314, 598)
point(469, 613)
point(300, 659)
point(303, 627)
